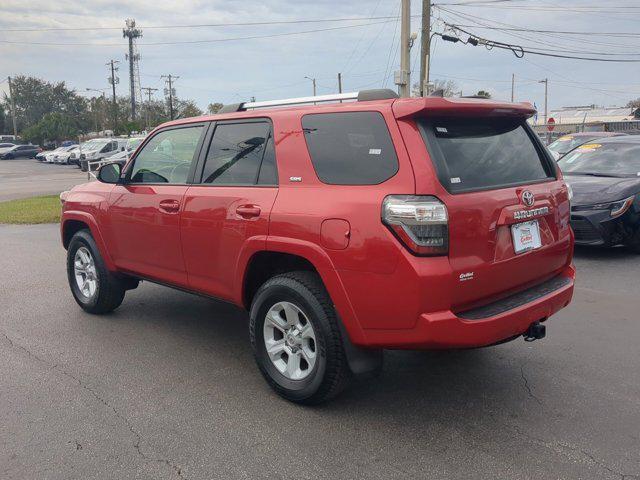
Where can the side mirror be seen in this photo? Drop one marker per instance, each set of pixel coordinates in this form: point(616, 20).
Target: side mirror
point(122, 149)
point(109, 173)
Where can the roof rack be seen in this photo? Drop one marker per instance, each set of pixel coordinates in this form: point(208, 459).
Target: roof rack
point(361, 96)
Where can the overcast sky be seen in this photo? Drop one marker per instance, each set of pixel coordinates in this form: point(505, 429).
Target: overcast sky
point(234, 70)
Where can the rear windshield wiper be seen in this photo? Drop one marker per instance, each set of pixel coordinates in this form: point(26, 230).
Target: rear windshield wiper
point(593, 174)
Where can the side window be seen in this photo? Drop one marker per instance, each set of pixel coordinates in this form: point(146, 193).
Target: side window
point(350, 148)
point(236, 154)
point(268, 170)
point(167, 157)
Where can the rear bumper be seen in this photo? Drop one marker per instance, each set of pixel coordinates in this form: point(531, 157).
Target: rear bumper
point(446, 329)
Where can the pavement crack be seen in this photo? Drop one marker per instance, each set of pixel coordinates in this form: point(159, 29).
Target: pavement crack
point(562, 448)
point(527, 387)
point(595, 461)
point(138, 438)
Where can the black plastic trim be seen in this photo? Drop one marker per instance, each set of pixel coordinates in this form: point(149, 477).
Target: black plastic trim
point(516, 300)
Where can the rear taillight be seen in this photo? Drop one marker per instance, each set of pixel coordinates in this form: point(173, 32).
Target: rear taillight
point(420, 222)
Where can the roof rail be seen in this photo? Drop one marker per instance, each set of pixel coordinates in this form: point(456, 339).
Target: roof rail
point(361, 96)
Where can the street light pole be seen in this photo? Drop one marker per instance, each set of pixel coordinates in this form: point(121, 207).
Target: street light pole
point(314, 84)
point(546, 97)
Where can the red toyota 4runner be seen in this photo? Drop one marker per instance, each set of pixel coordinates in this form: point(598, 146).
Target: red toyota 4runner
point(343, 228)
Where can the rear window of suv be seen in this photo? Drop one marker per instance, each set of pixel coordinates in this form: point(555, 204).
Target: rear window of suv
point(483, 153)
point(350, 148)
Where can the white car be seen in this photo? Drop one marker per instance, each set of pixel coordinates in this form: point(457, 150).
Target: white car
point(132, 144)
point(5, 147)
point(62, 154)
point(49, 156)
point(101, 148)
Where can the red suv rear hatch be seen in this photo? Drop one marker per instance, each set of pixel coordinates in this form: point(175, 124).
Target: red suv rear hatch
point(501, 189)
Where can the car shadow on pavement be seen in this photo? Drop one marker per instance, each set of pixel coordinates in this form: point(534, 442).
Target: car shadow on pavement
point(426, 383)
point(606, 254)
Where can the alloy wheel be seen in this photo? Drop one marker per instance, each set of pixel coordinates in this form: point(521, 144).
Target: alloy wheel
point(84, 269)
point(290, 340)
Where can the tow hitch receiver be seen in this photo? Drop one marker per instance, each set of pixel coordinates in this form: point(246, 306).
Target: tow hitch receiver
point(535, 331)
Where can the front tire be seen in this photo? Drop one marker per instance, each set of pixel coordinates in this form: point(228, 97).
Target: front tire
point(94, 288)
point(296, 339)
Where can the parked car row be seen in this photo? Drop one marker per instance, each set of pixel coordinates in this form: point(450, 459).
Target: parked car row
point(59, 155)
point(91, 152)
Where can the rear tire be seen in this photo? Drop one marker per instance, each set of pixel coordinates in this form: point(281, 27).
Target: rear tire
point(94, 288)
point(301, 327)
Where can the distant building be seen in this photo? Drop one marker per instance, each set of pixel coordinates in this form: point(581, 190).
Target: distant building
point(591, 118)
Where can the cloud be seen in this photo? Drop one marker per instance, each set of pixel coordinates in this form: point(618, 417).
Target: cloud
point(276, 67)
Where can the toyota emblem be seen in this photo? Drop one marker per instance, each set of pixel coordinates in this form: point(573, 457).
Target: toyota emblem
point(527, 198)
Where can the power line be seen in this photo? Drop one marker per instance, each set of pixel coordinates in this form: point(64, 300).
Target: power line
point(483, 24)
point(359, 40)
point(191, 42)
point(563, 32)
point(550, 52)
point(204, 25)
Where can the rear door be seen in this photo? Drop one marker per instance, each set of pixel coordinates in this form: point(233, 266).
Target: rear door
point(226, 211)
point(508, 213)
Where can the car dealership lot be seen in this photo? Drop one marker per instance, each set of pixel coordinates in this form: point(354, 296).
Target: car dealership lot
point(166, 388)
point(24, 178)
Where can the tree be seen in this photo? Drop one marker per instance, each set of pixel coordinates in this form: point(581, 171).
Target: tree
point(186, 108)
point(634, 103)
point(35, 98)
point(449, 88)
point(214, 108)
point(4, 121)
point(53, 127)
point(483, 93)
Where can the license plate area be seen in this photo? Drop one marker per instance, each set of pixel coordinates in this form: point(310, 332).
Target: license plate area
point(526, 236)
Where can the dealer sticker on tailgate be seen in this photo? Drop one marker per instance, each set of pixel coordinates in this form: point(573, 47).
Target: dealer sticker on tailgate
point(526, 236)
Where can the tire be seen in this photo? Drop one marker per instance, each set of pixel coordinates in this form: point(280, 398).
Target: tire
point(104, 292)
point(329, 372)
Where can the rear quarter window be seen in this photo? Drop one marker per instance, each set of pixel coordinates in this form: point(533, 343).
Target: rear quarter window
point(484, 153)
point(350, 148)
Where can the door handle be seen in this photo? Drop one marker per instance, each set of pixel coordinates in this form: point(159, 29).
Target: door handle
point(170, 206)
point(248, 211)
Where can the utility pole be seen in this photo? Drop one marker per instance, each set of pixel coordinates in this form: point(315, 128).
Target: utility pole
point(113, 80)
point(149, 91)
point(132, 33)
point(513, 84)
point(339, 82)
point(546, 97)
point(425, 48)
point(13, 108)
point(314, 84)
point(169, 91)
point(402, 77)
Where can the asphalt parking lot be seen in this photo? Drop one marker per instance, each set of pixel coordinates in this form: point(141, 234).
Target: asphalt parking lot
point(166, 387)
point(24, 178)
